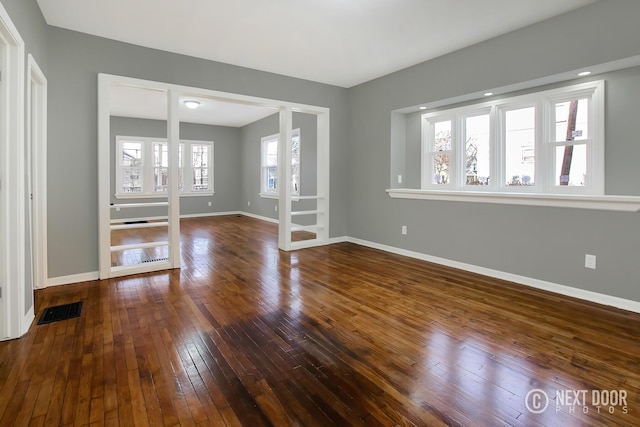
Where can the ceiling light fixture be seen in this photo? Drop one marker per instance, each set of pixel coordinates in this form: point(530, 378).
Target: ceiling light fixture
point(191, 104)
point(584, 73)
point(423, 108)
point(488, 93)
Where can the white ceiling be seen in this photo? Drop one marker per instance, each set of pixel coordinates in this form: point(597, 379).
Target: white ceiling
point(339, 42)
point(129, 101)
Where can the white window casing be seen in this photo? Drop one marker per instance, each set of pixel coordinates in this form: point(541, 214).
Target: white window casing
point(195, 170)
point(524, 152)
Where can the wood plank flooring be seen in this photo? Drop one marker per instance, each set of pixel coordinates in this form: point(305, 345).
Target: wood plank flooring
point(246, 335)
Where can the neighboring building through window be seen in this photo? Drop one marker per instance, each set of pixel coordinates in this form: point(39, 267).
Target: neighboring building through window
point(142, 167)
point(544, 142)
point(269, 165)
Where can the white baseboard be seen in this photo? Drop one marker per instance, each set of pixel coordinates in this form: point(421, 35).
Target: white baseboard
point(204, 215)
point(570, 291)
point(74, 278)
point(263, 218)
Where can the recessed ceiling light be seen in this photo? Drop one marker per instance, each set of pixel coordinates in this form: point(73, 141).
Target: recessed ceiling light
point(488, 93)
point(190, 103)
point(584, 73)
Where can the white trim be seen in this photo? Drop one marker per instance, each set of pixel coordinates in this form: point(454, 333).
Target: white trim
point(204, 215)
point(12, 176)
point(147, 167)
point(37, 138)
point(260, 217)
point(595, 297)
point(73, 278)
point(609, 203)
point(543, 103)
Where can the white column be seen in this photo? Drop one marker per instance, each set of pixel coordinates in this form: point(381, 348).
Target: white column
point(173, 141)
point(284, 178)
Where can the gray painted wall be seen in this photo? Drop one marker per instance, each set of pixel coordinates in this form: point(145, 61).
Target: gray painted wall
point(226, 165)
point(28, 19)
point(75, 60)
point(251, 136)
point(543, 243)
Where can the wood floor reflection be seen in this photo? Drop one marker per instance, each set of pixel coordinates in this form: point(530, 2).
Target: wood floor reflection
point(247, 335)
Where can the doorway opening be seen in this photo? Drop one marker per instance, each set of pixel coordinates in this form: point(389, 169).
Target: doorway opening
point(144, 180)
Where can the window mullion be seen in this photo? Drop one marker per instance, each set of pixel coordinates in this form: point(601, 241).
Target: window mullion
point(458, 150)
point(544, 152)
point(495, 138)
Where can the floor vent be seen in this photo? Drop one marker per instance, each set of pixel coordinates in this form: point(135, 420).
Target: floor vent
point(60, 312)
point(155, 260)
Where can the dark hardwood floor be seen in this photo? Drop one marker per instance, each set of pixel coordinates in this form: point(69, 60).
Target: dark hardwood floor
point(246, 335)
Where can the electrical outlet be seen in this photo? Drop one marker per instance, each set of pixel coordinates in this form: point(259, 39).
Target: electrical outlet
point(248, 202)
point(590, 261)
point(404, 229)
point(276, 208)
point(399, 179)
point(209, 204)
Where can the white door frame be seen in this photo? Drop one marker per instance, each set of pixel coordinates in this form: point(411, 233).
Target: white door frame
point(105, 82)
point(15, 319)
point(37, 144)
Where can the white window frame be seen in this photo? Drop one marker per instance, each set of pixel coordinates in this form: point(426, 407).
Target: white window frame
point(545, 144)
point(264, 192)
point(147, 168)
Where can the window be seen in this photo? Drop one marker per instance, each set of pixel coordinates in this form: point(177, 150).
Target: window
point(269, 165)
point(142, 167)
point(544, 142)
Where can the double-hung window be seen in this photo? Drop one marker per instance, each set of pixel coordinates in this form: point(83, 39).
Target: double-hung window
point(142, 167)
point(269, 165)
point(544, 142)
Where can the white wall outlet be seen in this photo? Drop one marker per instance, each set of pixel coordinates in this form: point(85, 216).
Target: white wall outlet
point(209, 204)
point(404, 229)
point(590, 261)
point(399, 179)
point(276, 208)
point(118, 209)
point(248, 202)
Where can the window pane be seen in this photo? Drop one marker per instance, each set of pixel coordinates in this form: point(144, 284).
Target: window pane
point(131, 167)
point(441, 169)
point(271, 155)
point(295, 164)
point(442, 136)
point(520, 160)
point(271, 179)
point(572, 120)
point(478, 153)
point(200, 167)
point(160, 167)
point(571, 165)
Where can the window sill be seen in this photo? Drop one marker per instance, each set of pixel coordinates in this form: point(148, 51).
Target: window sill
point(609, 203)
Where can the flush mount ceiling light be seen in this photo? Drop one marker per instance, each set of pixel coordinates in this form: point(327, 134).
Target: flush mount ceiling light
point(488, 93)
point(584, 73)
point(191, 104)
